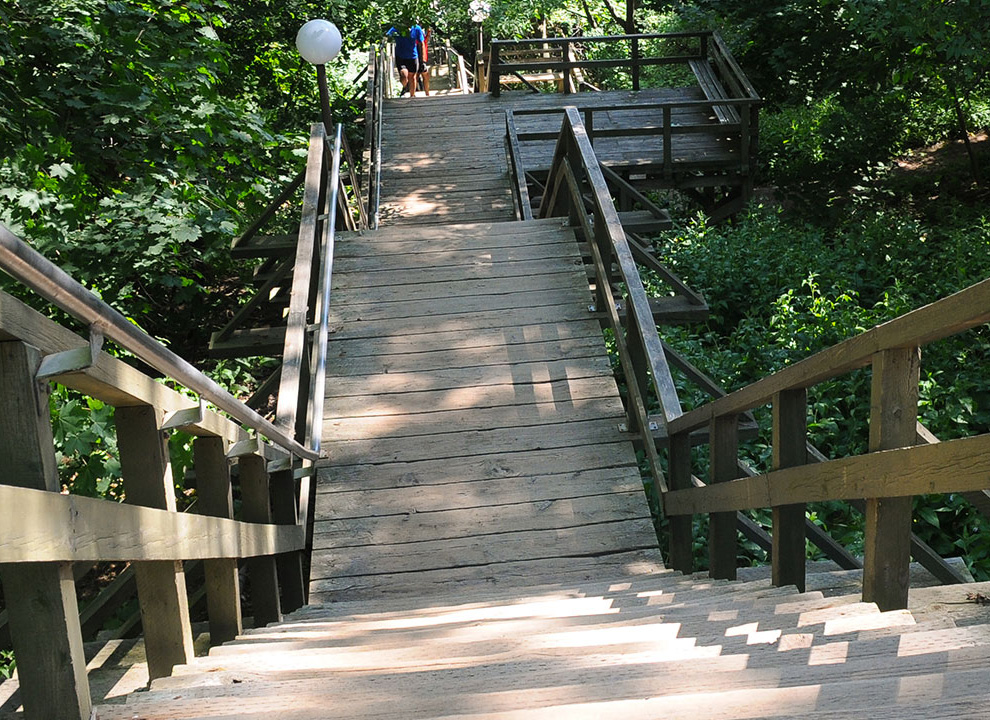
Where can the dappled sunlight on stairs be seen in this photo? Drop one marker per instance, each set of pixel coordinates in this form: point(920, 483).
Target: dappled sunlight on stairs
point(643, 646)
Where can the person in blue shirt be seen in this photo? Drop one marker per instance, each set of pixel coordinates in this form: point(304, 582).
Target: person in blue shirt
point(408, 50)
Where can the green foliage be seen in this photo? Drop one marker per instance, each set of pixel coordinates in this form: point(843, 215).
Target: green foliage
point(7, 664)
point(86, 445)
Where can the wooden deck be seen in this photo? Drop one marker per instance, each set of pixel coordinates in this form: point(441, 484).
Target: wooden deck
point(472, 420)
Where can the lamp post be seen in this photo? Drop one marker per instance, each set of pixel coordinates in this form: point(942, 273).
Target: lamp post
point(319, 41)
point(480, 10)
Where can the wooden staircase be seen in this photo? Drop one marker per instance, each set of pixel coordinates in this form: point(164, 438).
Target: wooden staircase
point(628, 646)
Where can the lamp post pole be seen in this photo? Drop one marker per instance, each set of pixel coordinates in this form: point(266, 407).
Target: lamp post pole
point(319, 41)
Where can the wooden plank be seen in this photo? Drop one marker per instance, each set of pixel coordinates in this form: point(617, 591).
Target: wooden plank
point(565, 308)
point(619, 536)
point(790, 438)
point(288, 564)
point(564, 392)
point(535, 252)
point(477, 468)
point(468, 377)
point(399, 279)
point(492, 575)
point(943, 318)
point(893, 424)
point(223, 590)
point(50, 527)
point(423, 423)
point(476, 442)
point(461, 494)
point(354, 312)
point(546, 351)
point(40, 597)
point(903, 472)
point(392, 534)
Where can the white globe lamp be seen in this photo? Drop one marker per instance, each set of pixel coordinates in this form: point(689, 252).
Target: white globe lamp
point(319, 41)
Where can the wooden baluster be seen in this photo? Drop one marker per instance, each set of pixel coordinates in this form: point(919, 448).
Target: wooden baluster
point(147, 479)
point(637, 358)
point(565, 56)
point(635, 63)
point(790, 437)
point(223, 589)
point(680, 526)
point(290, 572)
point(668, 143)
point(724, 439)
point(893, 424)
point(41, 597)
point(589, 124)
point(494, 77)
point(256, 508)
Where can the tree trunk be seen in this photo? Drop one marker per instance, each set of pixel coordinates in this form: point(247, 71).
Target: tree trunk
point(974, 165)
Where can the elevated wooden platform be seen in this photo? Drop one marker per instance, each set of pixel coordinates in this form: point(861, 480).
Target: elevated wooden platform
point(472, 423)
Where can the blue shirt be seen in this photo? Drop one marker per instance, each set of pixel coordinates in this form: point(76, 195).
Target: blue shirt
point(406, 47)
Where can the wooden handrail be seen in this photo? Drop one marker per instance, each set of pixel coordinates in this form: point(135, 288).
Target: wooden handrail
point(574, 168)
point(951, 315)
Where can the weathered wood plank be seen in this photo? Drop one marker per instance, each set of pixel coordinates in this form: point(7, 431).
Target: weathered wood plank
point(459, 494)
point(477, 468)
point(81, 529)
point(476, 442)
point(619, 536)
point(903, 472)
point(790, 439)
point(392, 534)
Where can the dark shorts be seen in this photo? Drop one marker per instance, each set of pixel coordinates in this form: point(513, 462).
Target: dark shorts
point(423, 67)
point(410, 64)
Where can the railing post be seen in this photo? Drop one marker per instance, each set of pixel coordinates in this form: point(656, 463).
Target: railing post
point(680, 526)
point(589, 125)
point(893, 424)
point(668, 143)
point(40, 597)
point(147, 479)
point(256, 508)
point(565, 57)
point(637, 358)
point(790, 437)
point(284, 512)
point(724, 447)
point(223, 588)
point(634, 57)
point(494, 71)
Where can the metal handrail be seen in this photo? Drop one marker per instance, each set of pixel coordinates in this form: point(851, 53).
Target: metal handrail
point(323, 298)
point(36, 272)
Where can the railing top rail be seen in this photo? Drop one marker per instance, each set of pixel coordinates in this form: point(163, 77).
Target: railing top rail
point(740, 76)
point(597, 107)
point(964, 310)
point(604, 38)
point(638, 302)
point(42, 276)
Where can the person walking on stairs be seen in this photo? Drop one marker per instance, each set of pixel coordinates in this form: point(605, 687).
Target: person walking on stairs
point(408, 50)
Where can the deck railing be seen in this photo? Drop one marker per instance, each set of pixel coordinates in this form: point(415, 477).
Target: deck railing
point(381, 64)
point(270, 463)
point(887, 478)
point(575, 173)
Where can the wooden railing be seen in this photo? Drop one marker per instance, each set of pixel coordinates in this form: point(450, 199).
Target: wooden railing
point(558, 56)
point(457, 70)
point(887, 478)
point(575, 173)
point(271, 464)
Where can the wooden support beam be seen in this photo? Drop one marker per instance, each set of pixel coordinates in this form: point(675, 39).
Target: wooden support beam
point(790, 438)
point(722, 525)
point(40, 597)
point(893, 424)
point(256, 508)
point(147, 479)
point(213, 488)
point(284, 512)
point(680, 526)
